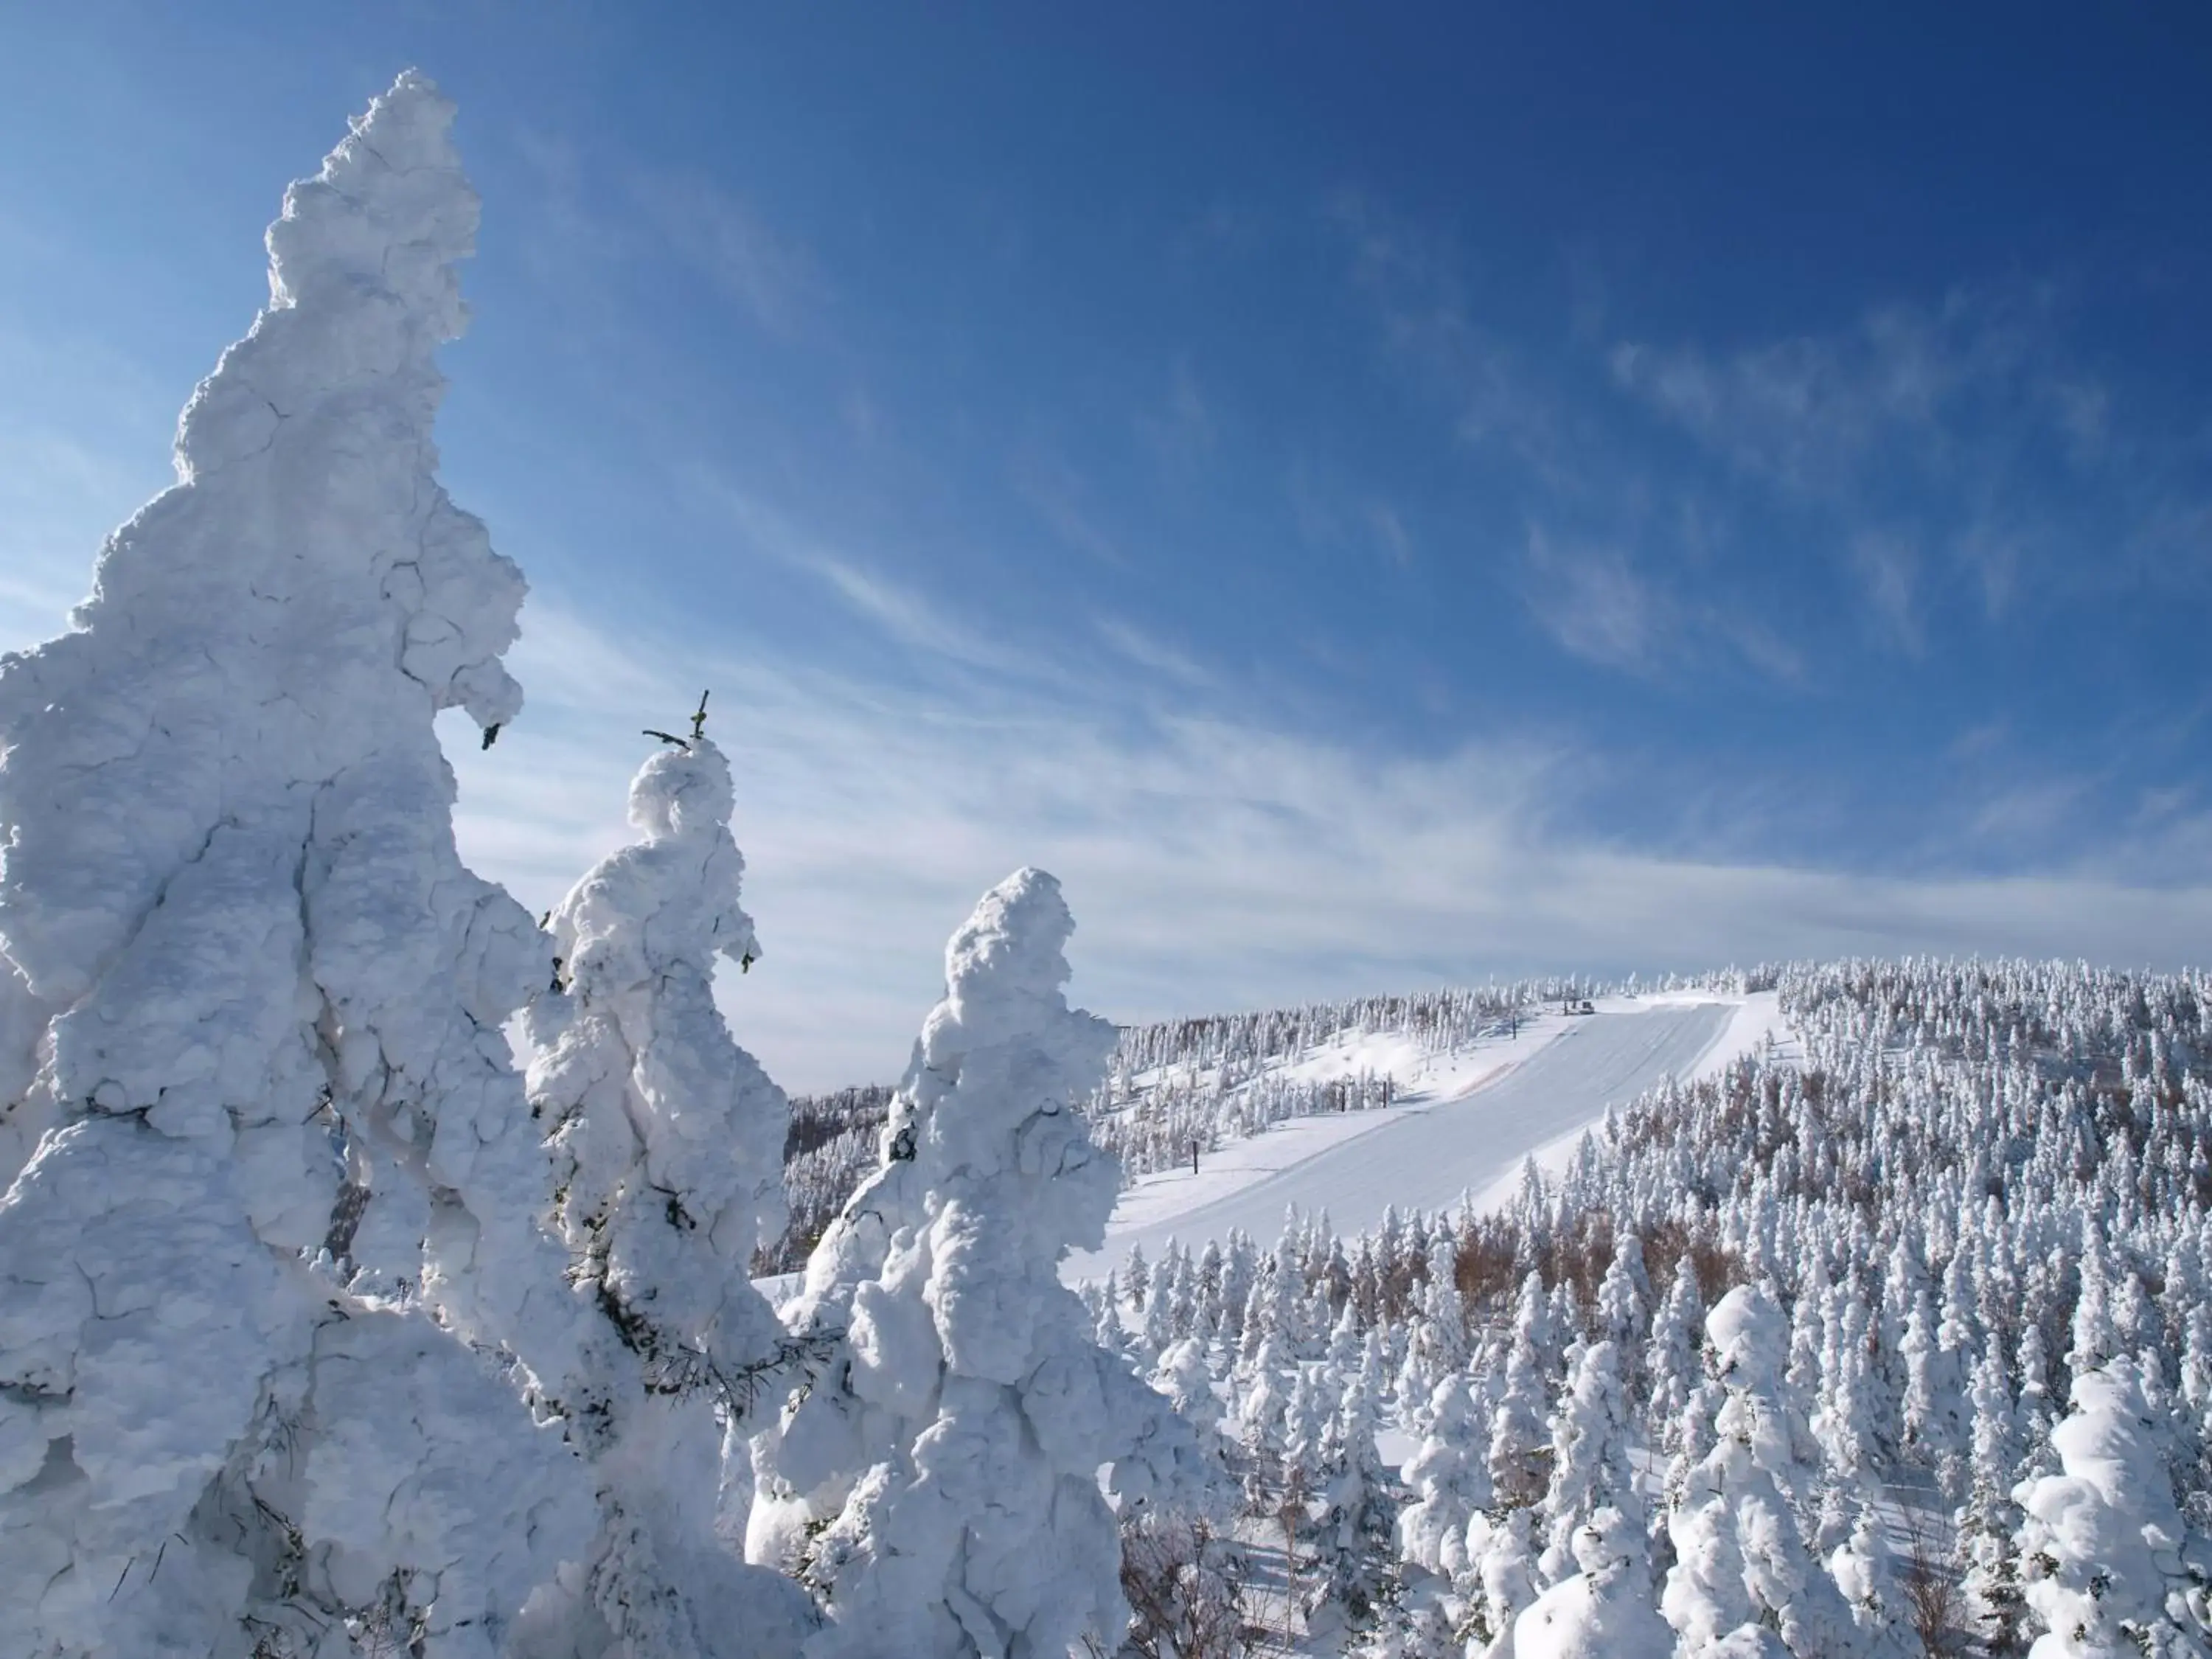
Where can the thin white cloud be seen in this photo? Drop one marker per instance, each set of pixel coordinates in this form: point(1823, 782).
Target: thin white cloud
point(901, 613)
point(1888, 570)
point(1390, 533)
point(1151, 652)
point(1057, 494)
point(1594, 604)
point(1951, 394)
point(1598, 602)
point(1180, 431)
point(1409, 278)
point(1210, 862)
point(772, 277)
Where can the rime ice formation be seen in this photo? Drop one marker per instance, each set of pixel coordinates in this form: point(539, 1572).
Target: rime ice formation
point(258, 969)
point(1449, 1482)
point(22, 1022)
point(1603, 1610)
point(1744, 1581)
point(668, 1142)
point(1590, 1466)
point(954, 1450)
point(2113, 1568)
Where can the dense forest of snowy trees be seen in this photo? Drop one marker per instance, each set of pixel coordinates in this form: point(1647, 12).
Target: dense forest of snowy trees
point(1898, 1347)
point(330, 1328)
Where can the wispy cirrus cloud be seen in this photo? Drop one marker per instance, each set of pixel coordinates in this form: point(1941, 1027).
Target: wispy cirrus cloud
point(1888, 568)
point(1993, 455)
point(1210, 861)
point(1600, 602)
point(900, 611)
point(770, 275)
point(1410, 279)
point(1904, 385)
point(1180, 431)
point(1060, 498)
point(1149, 652)
point(1594, 601)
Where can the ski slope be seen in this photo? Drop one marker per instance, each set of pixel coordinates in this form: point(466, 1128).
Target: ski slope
point(1428, 1157)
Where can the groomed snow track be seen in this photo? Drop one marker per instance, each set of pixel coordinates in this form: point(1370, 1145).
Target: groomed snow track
point(1427, 1159)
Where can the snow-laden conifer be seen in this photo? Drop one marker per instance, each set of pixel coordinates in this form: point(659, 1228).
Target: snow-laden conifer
point(1183, 1378)
point(1519, 1443)
point(953, 1450)
point(1670, 1356)
point(1604, 1609)
point(1861, 1567)
point(1988, 1520)
point(1501, 1552)
point(1360, 1521)
point(667, 1140)
point(1436, 1345)
point(261, 974)
point(1742, 1572)
point(2110, 1564)
point(1591, 1468)
point(1450, 1478)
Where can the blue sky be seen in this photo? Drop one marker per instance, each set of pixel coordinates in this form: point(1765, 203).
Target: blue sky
point(1474, 492)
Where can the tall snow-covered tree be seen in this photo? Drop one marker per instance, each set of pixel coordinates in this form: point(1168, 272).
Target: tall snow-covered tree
point(1519, 1443)
point(1501, 1553)
point(1450, 1477)
point(1742, 1572)
point(261, 972)
point(668, 1141)
point(953, 1449)
point(1988, 1520)
point(2111, 1565)
point(1670, 1356)
point(1436, 1345)
point(1591, 1468)
point(1603, 1610)
point(1358, 1559)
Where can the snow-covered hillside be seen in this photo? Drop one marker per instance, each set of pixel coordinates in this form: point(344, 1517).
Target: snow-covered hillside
point(1246, 1097)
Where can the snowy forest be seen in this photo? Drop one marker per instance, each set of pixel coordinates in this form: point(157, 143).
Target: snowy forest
point(386, 1272)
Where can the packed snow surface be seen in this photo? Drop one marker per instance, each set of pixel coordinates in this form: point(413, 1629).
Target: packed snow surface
point(1460, 1138)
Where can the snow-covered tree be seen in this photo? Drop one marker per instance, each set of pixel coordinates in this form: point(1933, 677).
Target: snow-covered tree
point(1590, 1470)
point(1988, 1521)
point(1742, 1572)
point(1603, 1610)
point(668, 1141)
point(261, 974)
point(1860, 1565)
point(1501, 1553)
point(1624, 1300)
point(1520, 1442)
point(953, 1450)
point(2111, 1565)
point(1436, 1345)
point(1934, 1396)
point(1358, 1556)
point(1670, 1356)
point(1450, 1478)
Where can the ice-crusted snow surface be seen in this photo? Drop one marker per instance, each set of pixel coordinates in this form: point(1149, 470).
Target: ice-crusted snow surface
point(251, 968)
point(667, 1140)
point(953, 1449)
